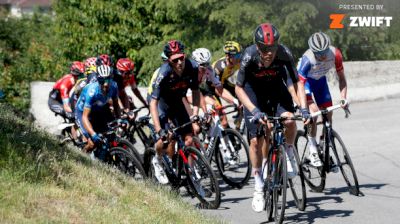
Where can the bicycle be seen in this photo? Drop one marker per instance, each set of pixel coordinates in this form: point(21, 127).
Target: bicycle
point(330, 142)
point(276, 180)
point(112, 150)
point(189, 169)
point(228, 147)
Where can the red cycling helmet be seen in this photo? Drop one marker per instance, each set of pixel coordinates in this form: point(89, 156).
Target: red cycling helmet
point(90, 62)
point(266, 37)
point(77, 68)
point(104, 59)
point(175, 48)
point(125, 65)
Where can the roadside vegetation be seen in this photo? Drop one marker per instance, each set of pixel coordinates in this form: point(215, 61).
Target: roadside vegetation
point(41, 182)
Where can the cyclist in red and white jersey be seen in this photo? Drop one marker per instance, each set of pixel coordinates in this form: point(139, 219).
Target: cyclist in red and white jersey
point(317, 62)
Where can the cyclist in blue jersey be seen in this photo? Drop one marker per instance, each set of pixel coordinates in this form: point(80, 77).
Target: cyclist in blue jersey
point(317, 62)
point(173, 80)
point(93, 107)
point(261, 87)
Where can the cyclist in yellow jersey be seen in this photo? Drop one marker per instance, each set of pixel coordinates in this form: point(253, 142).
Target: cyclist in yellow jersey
point(226, 67)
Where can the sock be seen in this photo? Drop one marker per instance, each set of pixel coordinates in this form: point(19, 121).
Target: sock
point(312, 140)
point(258, 181)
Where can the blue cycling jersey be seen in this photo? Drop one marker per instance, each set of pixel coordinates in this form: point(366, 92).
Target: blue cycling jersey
point(93, 98)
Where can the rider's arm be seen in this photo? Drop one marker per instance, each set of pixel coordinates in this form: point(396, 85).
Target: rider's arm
point(154, 114)
point(86, 123)
point(340, 73)
point(197, 101)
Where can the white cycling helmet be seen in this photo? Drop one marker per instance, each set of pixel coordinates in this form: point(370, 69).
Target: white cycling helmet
point(319, 42)
point(103, 72)
point(202, 56)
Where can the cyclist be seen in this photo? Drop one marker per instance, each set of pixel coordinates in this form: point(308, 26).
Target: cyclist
point(317, 62)
point(261, 88)
point(93, 107)
point(125, 78)
point(172, 82)
point(59, 101)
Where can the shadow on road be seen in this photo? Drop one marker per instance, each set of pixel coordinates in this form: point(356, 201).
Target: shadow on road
point(340, 190)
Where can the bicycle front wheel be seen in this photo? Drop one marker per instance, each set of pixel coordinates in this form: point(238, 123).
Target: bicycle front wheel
point(234, 162)
point(201, 179)
point(314, 176)
point(279, 185)
point(343, 160)
point(126, 162)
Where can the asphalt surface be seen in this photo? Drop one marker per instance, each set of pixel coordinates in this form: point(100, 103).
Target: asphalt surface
point(370, 135)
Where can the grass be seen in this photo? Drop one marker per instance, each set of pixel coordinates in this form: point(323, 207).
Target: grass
point(42, 182)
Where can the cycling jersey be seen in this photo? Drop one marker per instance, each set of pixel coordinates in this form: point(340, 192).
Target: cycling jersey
point(153, 77)
point(173, 87)
point(313, 73)
point(123, 82)
point(208, 81)
point(93, 98)
point(224, 72)
point(265, 86)
point(62, 88)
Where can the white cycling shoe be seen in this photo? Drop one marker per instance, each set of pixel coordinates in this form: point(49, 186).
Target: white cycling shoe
point(313, 157)
point(258, 202)
point(159, 171)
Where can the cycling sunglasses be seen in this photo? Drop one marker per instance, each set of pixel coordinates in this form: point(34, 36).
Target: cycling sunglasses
point(234, 56)
point(321, 54)
point(205, 65)
point(102, 81)
point(182, 58)
point(264, 48)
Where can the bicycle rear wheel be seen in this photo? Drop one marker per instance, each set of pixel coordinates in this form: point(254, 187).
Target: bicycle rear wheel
point(343, 160)
point(297, 185)
point(234, 164)
point(201, 179)
point(126, 162)
point(314, 176)
point(127, 145)
point(279, 185)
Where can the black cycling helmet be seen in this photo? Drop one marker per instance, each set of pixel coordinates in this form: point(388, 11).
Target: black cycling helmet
point(174, 47)
point(265, 36)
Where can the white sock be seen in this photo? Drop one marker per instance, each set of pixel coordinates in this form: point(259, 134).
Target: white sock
point(264, 162)
point(258, 181)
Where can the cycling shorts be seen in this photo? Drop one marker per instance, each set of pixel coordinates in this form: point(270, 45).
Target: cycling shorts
point(98, 119)
point(319, 88)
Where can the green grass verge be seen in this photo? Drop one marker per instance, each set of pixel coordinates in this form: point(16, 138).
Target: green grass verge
point(42, 182)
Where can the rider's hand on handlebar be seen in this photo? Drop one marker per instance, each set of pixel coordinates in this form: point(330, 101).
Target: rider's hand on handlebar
point(306, 115)
point(96, 138)
point(258, 116)
point(344, 104)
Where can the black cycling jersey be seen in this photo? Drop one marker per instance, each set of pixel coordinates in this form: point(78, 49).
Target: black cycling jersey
point(267, 82)
point(172, 87)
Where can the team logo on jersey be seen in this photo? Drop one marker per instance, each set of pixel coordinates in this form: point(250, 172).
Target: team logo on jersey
point(179, 85)
point(268, 72)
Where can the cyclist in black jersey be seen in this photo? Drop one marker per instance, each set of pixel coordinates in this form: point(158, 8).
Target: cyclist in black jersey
point(171, 84)
point(261, 87)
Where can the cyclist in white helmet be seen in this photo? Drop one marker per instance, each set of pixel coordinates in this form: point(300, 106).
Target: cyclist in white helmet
point(317, 62)
point(209, 83)
point(93, 110)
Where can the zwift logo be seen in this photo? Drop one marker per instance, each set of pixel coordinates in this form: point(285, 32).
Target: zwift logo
point(359, 21)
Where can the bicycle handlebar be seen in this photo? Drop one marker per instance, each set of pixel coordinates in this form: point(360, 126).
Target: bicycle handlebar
point(331, 108)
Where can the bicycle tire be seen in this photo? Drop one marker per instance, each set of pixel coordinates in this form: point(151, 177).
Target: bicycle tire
point(269, 207)
point(314, 176)
point(126, 162)
point(147, 166)
point(237, 173)
point(280, 191)
point(126, 144)
point(341, 154)
point(297, 185)
point(196, 178)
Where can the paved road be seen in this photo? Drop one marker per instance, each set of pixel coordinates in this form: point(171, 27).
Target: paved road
point(370, 135)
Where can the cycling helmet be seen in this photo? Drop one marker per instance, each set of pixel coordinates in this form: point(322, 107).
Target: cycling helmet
point(202, 56)
point(319, 42)
point(104, 59)
point(103, 73)
point(163, 56)
point(125, 65)
point(90, 65)
point(77, 68)
point(174, 48)
point(232, 47)
point(266, 36)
